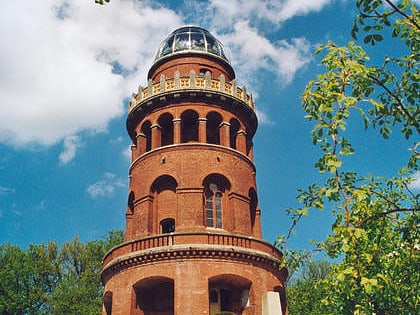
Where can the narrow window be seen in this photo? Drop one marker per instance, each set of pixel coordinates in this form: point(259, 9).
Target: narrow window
point(218, 210)
point(209, 209)
point(189, 126)
point(107, 299)
point(213, 206)
point(145, 129)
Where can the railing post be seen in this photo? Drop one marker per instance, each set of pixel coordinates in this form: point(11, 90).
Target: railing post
point(192, 79)
point(140, 93)
point(177, 81)
point(162, 83)
point(222, 86)
point(150, 87)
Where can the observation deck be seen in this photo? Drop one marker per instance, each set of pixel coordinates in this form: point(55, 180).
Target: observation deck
point(204, 245)
point(191, 83)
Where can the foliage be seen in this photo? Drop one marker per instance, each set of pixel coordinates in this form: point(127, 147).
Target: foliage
point(304, 294)
point(46, 280)
point(374, 238)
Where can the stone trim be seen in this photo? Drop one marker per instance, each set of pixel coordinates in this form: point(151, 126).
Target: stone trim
point(194, 251)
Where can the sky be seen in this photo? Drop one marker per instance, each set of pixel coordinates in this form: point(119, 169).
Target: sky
point(68, 68)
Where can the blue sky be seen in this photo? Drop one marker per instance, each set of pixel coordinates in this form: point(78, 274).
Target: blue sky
point(69, 66)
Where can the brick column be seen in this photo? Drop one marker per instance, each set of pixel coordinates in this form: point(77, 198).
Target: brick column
point(224, 133)
point(141, 143)
point(202, 132)
point(241, 141)
point(156, 136)
point(196, 302)
point(177, 130)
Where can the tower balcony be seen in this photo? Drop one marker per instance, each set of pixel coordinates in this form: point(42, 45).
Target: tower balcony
point(203, 245)
point(191, 83)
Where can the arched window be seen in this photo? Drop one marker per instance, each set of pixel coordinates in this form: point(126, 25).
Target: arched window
point(213, 206)
point(167, 225)
point(146, 131)
point(189, 126)
point(212, 127)
point(165, 122)
point(215, 187)
point(248, 144)
point(234, 128)
point(253, 203)
point(228, 294)
point(130, 202)
point(163, 191)
point(107, 300)
point(155, 295)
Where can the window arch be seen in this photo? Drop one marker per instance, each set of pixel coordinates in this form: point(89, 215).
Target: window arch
point(248, 144)
point(167, 225)
point(163, 191)
point(189, 126)
point(107, 300)
point(155, 295)
point(130, 202)
point(146, 131)
point(253, 203)
point(229, 294)
point(215, 187)
point(233, 131)
point(212, 127)
point(165, 122)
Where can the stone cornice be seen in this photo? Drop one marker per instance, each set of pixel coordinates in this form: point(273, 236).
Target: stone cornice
point(194, 251)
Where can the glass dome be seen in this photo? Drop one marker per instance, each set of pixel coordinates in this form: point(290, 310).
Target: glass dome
point(191, 39)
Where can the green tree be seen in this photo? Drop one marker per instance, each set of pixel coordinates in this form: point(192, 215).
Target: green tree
point(46, 280)
point(80, 288)
point(374, 238)
point(305, 293)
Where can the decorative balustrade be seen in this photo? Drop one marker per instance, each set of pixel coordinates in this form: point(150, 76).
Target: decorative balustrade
point(193, 239)
point(191, 83)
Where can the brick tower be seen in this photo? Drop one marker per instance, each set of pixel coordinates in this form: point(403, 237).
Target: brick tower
point(193, 237)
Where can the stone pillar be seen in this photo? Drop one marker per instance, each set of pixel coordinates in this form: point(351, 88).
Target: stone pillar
point(177, 130)
point(224, 133)
point(156, 136)
point(271, 303)
point(202, 132)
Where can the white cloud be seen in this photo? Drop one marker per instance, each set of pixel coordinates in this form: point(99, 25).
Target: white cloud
point(68, 65)
point(253, 52)
point(415, 184)
point(6, 190)
point(105, 186)
point(71, 144)
point(263, 10)
point(57, 62)
point(263, 118)
point(127, 152)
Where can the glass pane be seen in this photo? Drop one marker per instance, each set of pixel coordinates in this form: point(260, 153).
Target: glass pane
point(197, 41)
point(209, 209)
point(218, 210)
point(182, 42)
point(213, 187)
point(212, 45)
point(167, 47)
